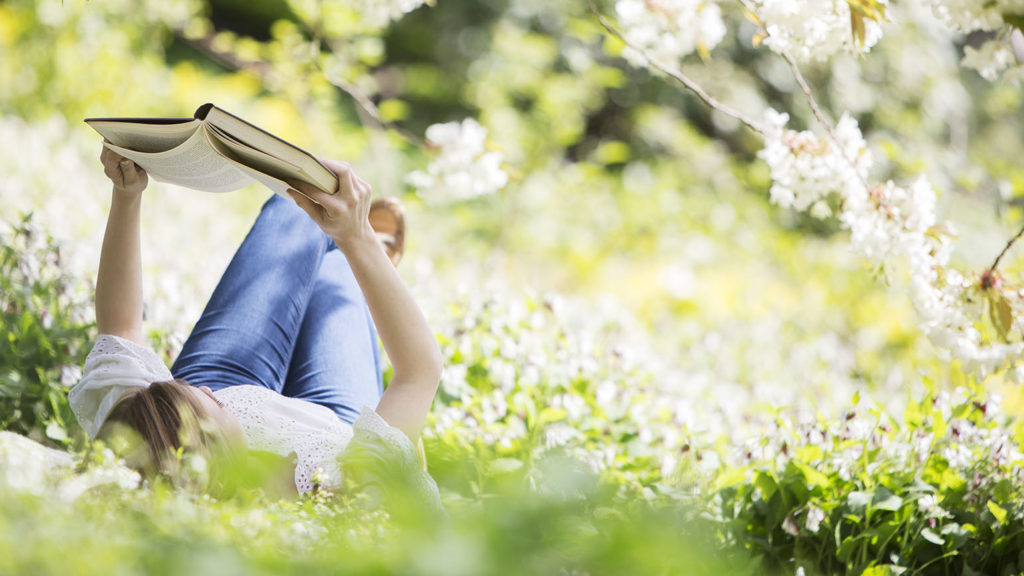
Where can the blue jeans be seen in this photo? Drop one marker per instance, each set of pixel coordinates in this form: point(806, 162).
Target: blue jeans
point(288, 315)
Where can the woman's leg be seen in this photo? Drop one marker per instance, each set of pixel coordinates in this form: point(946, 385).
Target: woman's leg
point(249, 327)
point(336, 362)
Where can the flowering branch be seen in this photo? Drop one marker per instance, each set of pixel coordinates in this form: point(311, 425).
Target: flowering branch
point(818, 114)
point(366, 107)
point(678, 76)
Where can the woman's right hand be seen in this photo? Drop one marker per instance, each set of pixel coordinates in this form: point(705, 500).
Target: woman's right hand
point(344, 215)
point(125, 174)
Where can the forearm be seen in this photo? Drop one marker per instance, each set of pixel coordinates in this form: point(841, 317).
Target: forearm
point(119, 281)
point(407, 338)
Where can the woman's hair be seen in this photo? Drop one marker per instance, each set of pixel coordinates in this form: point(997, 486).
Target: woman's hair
point(164, 430)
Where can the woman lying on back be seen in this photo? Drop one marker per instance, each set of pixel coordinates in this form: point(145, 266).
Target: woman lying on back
point(284, 358)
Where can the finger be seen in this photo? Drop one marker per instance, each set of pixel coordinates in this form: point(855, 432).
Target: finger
point(364, 185)
point(310, 191)
point(346, 178)
point(338, 168)
point(125, 166)
point(308, 206)
point(133, 174)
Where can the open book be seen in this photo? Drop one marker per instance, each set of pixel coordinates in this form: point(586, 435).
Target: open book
point(215, 152)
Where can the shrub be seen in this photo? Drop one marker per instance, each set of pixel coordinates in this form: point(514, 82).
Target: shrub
point(44, 336)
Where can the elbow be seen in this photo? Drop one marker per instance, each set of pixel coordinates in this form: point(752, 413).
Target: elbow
point(425, 369)
point(435, 365)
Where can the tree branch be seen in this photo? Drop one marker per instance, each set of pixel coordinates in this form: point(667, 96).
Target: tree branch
point(1006, 249)
point(678, 76)
point(364, 104)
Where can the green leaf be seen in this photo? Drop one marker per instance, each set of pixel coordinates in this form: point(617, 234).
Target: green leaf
point(612, 152)
point(858, 501)
point(392, 110)
point(1015, 20)
point(730, 478)
point(857, 27)
point(885, 500)
point(765, 482)
point(1001, 314)
point(549, 415)
point(812, 476)
point(504, 465)
point(997, 511)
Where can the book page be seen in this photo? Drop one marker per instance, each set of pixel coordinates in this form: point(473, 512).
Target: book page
point(278, 186)
point(248, 134)
point(276, 168)
point(193, 164)
point(142, 137)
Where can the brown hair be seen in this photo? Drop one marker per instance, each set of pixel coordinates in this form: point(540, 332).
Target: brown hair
point(160, 430)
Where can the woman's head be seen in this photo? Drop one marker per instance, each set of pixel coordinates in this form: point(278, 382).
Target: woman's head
point(162, 429)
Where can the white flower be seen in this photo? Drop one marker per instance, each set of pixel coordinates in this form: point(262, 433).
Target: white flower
point(380, 13)
point(991, 59)
point(815, 516)
point(806, 169)
point(929, 504)
point(813, 29)
point(462, 169)
point(669, 30)
point(970, 15)
point(560, 434)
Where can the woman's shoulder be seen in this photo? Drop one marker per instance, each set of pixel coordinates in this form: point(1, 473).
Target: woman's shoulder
point(269, 403)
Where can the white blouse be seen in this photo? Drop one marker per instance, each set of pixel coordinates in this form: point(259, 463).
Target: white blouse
point(271, 422)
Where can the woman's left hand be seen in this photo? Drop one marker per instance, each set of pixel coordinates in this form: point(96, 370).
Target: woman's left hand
point(344, 215)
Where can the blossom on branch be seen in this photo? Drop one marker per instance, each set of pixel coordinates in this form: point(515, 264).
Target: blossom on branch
point(806, 169)
point(818, 29)
point(379, 14)
point(463, 169)
point(669, 30)
point(995, 57)
point(991, 59)
point(891, 226)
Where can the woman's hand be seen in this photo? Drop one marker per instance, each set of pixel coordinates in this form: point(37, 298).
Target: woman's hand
point(415, 357)
point(127, 177)
point(344, 215)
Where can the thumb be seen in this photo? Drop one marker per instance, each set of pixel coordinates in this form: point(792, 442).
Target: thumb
point(307, 205)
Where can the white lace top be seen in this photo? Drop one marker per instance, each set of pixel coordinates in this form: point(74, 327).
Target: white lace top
point(271, 422)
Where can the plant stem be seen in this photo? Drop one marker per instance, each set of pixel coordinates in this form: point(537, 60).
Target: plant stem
point(678, 76)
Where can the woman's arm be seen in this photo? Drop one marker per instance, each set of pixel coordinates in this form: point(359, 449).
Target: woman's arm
point(119, 281)
point(408, 341)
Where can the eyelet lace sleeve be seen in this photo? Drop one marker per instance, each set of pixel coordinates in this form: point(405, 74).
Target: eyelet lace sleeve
point(382, 456)
point(114, 367)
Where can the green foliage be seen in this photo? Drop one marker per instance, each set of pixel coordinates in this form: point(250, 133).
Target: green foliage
point(43, 335)
point(158, 531)
point(939, 494)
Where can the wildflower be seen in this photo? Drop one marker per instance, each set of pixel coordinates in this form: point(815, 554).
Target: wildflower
point(815, 516)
